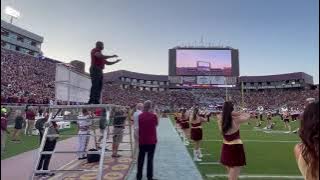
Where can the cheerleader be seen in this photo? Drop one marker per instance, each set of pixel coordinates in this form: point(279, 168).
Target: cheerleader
point(286, 120)
point(196, 133)
point(178, 121)
point(257, 118)
point(232, 153)
point(269, 121)
point(185, 126)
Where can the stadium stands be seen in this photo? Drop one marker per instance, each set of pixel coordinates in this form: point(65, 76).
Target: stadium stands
point(26, 79)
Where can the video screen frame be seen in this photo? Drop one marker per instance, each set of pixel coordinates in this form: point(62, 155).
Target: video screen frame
point(173, 61)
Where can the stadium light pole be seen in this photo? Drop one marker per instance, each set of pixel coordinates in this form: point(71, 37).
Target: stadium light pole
point(12, 13)
point(242, 94)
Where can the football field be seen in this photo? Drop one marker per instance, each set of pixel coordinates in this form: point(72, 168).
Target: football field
point(269, 153)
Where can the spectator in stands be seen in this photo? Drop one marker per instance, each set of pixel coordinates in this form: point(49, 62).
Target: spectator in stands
point(17, 126)
point(84, 124)
point(136, 115)
point(4, 130)
point(148, 123)
point(307, 152)
point(118, 127)
point(232, 153)
point(98, 61)
point(25, 79)
point(49, 145)
point(30, 119)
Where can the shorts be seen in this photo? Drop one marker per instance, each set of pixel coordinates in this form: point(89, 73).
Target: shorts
point(18, 126)
point(118, 135)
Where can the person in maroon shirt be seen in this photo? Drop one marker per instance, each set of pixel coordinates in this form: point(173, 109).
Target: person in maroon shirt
point(148, 123)
point(98, 61)
point(30, 119)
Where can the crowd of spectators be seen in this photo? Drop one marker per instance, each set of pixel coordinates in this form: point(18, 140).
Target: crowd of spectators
point(26, 79)
point(272, 99)
point(114, 94)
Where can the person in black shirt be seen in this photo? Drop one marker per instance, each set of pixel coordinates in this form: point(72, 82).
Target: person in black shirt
point(17, 126)
point(118, 126)
point(50, 143)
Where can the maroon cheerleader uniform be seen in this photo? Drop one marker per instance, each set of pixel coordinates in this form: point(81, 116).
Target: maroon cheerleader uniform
point(196, 131)
point(184, 123)
point(176, 119)
point(232, 153)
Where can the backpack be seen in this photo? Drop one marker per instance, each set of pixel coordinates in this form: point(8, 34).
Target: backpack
point(93, 157)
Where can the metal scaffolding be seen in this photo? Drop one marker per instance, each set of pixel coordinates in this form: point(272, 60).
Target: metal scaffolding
point(54, 110)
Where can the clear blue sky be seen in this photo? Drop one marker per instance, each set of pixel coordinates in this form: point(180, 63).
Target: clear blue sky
point(273, 36)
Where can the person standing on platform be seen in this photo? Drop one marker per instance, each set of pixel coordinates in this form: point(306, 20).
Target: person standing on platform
point(148, 123)
point(98, 61)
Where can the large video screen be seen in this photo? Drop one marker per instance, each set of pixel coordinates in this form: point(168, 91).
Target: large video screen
point(203, 62)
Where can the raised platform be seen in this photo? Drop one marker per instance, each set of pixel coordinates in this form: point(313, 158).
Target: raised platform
point(172, 161)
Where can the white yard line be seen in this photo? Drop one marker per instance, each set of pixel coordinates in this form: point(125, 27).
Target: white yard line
point(254, 140)
point(257, 176)
point(207, 163)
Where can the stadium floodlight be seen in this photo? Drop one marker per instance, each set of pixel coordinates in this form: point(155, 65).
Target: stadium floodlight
point(12, 13)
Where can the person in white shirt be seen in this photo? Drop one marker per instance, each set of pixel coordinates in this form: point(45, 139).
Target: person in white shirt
point(84, 129)
point(136, 114)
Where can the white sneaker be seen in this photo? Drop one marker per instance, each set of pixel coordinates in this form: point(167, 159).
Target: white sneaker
point(200, 154)
point(196, 159)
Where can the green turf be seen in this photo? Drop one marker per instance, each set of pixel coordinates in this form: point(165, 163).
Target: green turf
point(29, 142)
point(263, 158)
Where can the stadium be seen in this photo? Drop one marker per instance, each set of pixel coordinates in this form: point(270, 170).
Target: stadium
point(199, 77)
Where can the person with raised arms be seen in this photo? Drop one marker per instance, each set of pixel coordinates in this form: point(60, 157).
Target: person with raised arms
point(98, 61)
point(232, 153)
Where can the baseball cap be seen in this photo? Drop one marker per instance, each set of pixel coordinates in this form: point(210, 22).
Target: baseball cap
point(3, 110)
